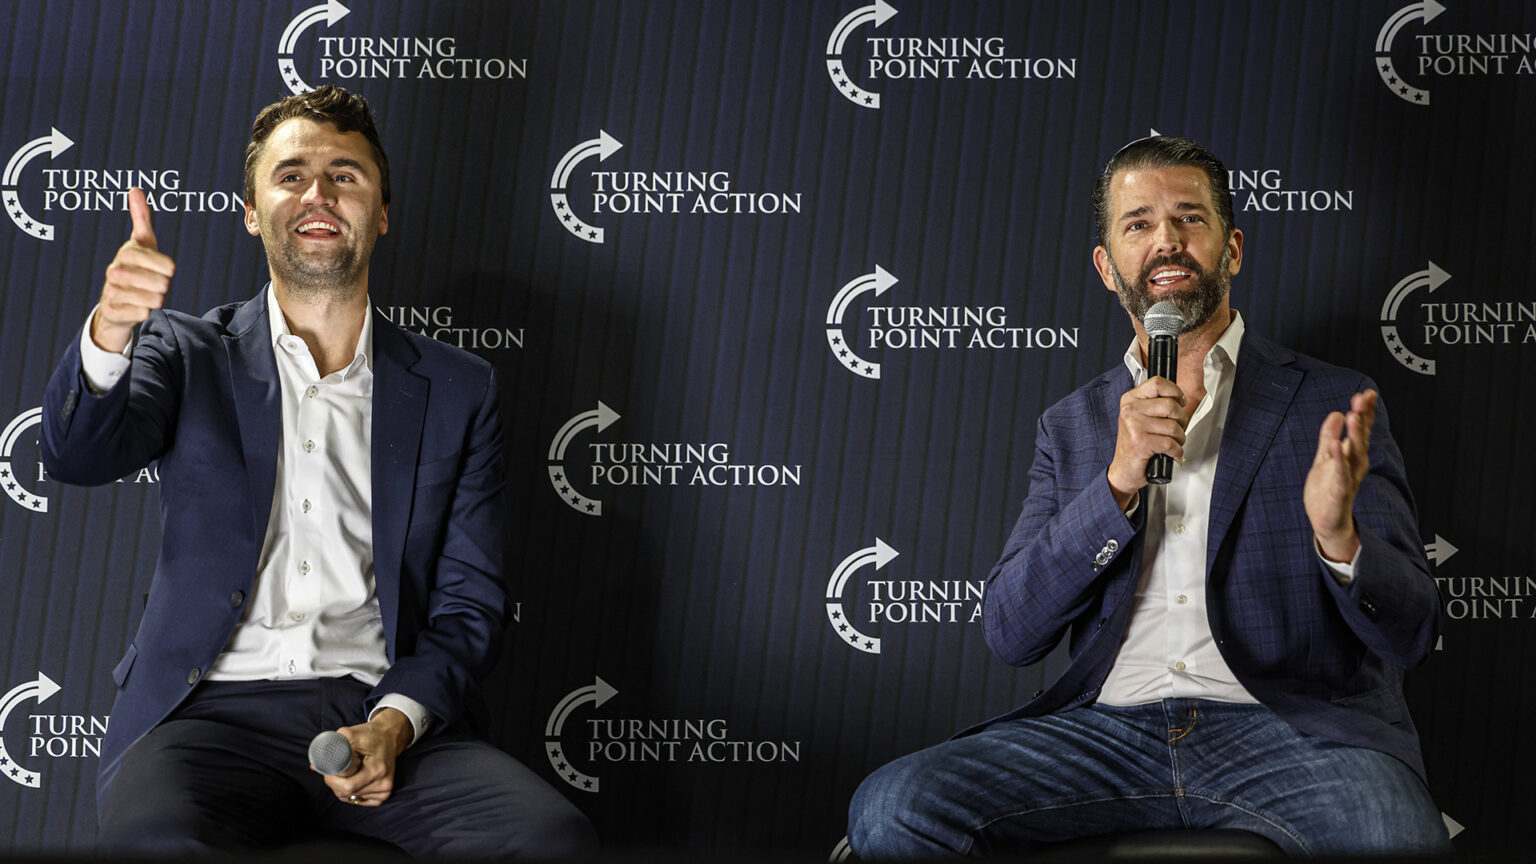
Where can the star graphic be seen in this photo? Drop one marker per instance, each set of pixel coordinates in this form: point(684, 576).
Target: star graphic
point(1424, 367)
point(1398, 350)
point(837, 71)
point(869, 368)
point(869, 100)
point(560, 205)
point(843, 628)
point(559, 476)
point(837, 614)
point(1418, 97)
point(593, 235)
point(5, 472)
point(587, 784)
point(869, 644)
point(837, 340)
point(591, 507)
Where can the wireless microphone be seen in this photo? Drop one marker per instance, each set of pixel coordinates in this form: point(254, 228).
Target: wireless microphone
point(331, 753)
point(1163, 323)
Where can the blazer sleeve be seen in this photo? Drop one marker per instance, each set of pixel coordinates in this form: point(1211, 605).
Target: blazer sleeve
point(458, 633)
point(1069, 539)
point(1392, 605)
point(90, 439)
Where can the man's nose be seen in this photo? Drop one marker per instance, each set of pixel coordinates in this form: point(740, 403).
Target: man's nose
point(318, 192)
point(1167, 239)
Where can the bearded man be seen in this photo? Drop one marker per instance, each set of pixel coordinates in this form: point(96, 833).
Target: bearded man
point(1238, 634)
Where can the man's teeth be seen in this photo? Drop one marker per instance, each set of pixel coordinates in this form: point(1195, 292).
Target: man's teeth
point(1168, 276)
point(317, 226)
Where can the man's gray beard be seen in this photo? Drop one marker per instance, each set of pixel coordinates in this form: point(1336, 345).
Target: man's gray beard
point(1196, 304)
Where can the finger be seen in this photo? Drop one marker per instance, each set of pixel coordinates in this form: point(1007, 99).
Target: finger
point(138, 210)
point(1328, 434)
point(1158, 387)
point(132, 255)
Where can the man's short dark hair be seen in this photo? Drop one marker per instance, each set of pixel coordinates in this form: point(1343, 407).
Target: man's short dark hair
point(347, 111)
point(1163, 151)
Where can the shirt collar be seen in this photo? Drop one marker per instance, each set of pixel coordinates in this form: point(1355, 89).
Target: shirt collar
point(363, 358)
point(1225, 348)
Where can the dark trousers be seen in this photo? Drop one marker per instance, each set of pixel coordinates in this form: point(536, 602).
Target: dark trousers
point(230, 770)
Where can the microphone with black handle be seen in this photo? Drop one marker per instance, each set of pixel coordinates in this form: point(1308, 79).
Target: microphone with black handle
point(1163, 323)
point(331, 753)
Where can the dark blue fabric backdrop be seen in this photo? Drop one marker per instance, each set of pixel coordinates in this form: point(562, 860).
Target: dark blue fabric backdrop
point(676, 647)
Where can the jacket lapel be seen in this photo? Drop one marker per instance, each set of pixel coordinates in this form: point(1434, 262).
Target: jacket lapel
point(399, 413)
point(1262, 393)
point(258, 406)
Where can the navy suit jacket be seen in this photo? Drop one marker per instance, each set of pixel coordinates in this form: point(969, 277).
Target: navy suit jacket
point(202, 397)
point(1328, 659)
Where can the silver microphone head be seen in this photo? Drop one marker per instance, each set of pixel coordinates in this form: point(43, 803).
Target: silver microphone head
point(1163, 319)
point(330, 753)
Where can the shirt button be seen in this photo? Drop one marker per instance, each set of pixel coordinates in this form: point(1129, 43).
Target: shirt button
point(312, 392)
point(297, 616)
point(1182, 599)
point(1179, 666)
point(291, 668)
point(194, 675)
point(1179, 528)
point(304, 568)
point(309, 446)
point(306, 505)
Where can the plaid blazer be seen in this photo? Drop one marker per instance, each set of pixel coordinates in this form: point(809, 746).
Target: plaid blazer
point(1328, 659)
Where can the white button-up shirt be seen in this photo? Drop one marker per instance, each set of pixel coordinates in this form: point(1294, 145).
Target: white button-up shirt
point(1169, 651)
point(314, 610)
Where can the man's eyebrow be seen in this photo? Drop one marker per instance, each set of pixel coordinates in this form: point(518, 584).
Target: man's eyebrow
point(338, 162)
point(1182, 206)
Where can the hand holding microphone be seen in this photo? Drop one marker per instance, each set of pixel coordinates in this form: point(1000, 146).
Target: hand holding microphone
point(1153, 415)
point(331, 753)
point(358, 762)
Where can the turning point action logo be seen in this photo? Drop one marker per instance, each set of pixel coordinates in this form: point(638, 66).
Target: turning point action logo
point(621, 464)
point(924, 327)
point(1446, 55)
point(409, 57)
point(1499, 322)
point(632, 740)
point(671, 193)
point(98, 190)
point(51, 736)
point(912, 58)
point(895, 601)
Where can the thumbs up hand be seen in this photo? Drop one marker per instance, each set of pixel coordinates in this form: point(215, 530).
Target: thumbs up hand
point(137, 281)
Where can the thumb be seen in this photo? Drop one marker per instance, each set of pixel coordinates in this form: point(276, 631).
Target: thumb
point(138, 210)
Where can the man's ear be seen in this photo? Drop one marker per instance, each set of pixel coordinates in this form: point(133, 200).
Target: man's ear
point(252, 226)
point(1101, 263)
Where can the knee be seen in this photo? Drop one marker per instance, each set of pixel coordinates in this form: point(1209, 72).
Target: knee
point(564, 834)
point(886, 807)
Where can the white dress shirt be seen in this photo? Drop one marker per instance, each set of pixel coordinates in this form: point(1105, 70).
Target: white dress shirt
point(313, 611)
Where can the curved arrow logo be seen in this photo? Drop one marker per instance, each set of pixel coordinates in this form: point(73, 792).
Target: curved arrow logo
point(600, 418)
point(330, 12)
point(1425, 11)
point(41, 690)
point(879, 282)
point(597, 693)
point(1432, 278)
point(879, 555)
point(8, 479)
point(603, 146)
point(54, 143)
point(879, 13)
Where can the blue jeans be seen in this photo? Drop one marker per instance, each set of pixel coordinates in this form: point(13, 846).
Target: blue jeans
point(1179, 763)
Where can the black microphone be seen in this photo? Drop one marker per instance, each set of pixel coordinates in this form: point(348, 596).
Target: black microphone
point(331, 753)
point(1163, 323)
